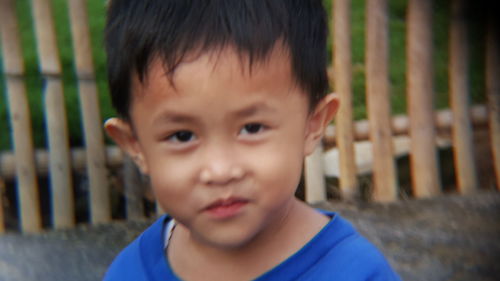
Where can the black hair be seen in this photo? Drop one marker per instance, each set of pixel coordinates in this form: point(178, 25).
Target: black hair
point(139, 31)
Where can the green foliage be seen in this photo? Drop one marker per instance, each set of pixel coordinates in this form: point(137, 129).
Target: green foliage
point(96, 10)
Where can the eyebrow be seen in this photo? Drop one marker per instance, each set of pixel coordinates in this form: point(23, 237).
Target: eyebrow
point(173, 117)
point(252, 110)
point(176, 117)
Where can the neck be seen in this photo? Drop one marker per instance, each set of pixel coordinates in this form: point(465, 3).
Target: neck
point(290, 231)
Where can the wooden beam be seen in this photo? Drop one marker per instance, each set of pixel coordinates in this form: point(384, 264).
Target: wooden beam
point(378, 101)
point(493, 88)
point(420, 94)
point(100, 204)
point(19, 114)
point(63, 207)
point(78, 157)
point(462, 134)
point(343, 87)
point(401, 124)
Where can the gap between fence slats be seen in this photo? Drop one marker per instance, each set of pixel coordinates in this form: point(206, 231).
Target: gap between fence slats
point(19, 114)
point(63, 209)
point(133, 190)
point(100, 205)
point(378, 102)
point(462, 133)
point(343, 78)
point(493, 88)
point(424, 167)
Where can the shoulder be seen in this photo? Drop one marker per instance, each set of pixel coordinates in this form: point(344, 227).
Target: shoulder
point(350, 256)
point(130, 263)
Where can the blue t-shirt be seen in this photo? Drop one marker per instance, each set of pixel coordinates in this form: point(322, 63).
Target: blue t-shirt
point(337, 252)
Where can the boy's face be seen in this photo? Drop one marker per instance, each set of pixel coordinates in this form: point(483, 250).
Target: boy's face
point(223, 148)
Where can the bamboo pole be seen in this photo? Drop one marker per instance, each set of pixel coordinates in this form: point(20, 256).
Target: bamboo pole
point(314, 175)
point(377, 81)
point(63, 209)
point(29, 204)
point(493, 89)
point(462, 133)
point(343, 79)
point(424, 167)
point(100, 205)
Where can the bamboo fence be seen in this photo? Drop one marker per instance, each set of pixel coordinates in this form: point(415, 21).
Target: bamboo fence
point(422, 123)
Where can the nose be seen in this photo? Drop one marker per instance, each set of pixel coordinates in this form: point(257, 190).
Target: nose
point(220, 167)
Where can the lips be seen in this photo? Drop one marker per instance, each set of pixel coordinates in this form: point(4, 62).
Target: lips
point(226, 208)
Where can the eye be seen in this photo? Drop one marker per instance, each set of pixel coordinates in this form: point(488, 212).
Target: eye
point(181, 136)
point(252, 128)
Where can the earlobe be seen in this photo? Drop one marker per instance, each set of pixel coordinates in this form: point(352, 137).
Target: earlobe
point(318, 120)
point(122, 133)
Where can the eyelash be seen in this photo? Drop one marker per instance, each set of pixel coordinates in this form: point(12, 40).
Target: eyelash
point(178, 136)
point(252, 126)
point(186, 136)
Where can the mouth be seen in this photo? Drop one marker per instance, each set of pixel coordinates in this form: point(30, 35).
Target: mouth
point(226, 208)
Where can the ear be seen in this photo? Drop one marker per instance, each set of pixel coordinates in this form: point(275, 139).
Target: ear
point(123, 134)
point(318, 120)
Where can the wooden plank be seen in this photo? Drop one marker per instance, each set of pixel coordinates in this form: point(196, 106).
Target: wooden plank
point(378, 101)
point(100, 208)
point(343, 87)
point(493, 89)
point(63, 210)
point(424, 167)
point(314, 174)
point(19, 114)
point(462, 134)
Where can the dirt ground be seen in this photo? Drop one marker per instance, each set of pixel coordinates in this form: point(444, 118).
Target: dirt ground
point(447, 238)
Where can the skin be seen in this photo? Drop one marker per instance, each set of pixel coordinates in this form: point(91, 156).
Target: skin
point(221, 132)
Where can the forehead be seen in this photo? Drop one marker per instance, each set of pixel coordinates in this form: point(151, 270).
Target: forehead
point(226, 65)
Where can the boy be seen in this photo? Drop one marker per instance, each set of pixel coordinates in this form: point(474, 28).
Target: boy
point(219, 102)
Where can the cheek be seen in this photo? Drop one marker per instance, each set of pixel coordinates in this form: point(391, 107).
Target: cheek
point(281, 165)
point(170, 179)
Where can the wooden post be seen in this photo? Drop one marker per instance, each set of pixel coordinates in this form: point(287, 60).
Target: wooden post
point(19, 113)
point(343, 79)
point(493, 89)
point(314, 174)
point(377, 96)
point(63, 209)
point(100, 208)
point(133, 190)
point(424, 167)
point(459, 82)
